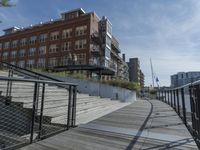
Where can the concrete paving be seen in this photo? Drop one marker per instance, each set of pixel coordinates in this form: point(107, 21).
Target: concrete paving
point(143, 125)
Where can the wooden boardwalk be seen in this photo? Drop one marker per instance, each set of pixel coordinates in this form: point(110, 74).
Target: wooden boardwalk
point(144, 125)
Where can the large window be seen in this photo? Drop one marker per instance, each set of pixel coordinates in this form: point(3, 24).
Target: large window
point(67, 33)
point(64, 60)
point(80, 44)
point(41, 63)
point(14, 43)
point(81, 59)
point(53, 48)
point(7, 45)
point(109, 28)
point(107, 53)
point(42, 50)
point(82, 30)
point(5, 55)
point(66, 46)
point(52, 62)
point(13, 54)
point(23, 42)
point(22, 53)
point(33, 40)
point(21, 63)
point(30, 63)
point(54, 36)
point(43, 38)
point(13, 62)
point(31, 51)
point(108, 41)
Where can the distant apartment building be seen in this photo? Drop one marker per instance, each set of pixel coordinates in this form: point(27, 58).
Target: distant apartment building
point(135, 73)
point(182, 78)
point(78, 41)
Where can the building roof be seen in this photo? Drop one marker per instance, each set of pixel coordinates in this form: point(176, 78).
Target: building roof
point(74, 10)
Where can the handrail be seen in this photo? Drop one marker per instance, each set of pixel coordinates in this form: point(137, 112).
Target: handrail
point(184, 86)
point(36, 74)
point(175, 96)
point(2, 78)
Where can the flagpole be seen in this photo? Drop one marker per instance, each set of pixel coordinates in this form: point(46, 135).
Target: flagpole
point(152, 74)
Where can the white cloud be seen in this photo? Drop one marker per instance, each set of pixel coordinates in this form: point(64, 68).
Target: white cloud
point(169, 34)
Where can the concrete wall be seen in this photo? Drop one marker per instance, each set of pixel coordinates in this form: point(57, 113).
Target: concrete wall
point(102, 90)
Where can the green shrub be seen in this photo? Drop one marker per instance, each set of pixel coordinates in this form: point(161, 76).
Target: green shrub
point(123, 84)
point(153, 92)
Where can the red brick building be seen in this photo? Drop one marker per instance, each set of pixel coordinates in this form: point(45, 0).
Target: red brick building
point(77, 39)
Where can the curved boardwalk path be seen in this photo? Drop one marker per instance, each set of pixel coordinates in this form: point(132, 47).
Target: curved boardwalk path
point(144, 125)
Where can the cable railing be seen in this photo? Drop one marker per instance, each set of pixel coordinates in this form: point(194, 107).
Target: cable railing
point(31, 110)
point(185, 100)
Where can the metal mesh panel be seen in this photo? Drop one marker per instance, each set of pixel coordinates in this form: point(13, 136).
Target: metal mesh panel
point(30, 111)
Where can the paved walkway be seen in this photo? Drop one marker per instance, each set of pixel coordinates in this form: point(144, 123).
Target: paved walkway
point(144, 125)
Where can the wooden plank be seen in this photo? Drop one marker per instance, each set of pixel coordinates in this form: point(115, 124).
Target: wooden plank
point(121, 130)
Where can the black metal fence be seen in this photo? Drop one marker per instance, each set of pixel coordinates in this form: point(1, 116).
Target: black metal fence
point(31, 110)
point(185, 100)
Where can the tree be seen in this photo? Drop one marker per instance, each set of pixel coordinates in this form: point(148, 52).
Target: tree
point(5, 3)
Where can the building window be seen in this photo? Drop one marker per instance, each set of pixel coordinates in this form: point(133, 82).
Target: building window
point(52, 62)
point(14, 43)
point(7, 45)
point(80, 44)
point(67, 33)
point(82, 30)
point(1, 46)
point(54, 36)
point(53, 48)
point(42, 50)
point(13, 54)
point(33, 40)
point(22, 53)
point(107, 53)
point(109, 28)
point(23, 42)
point(81, 59)
point(5, 55)
point(66, 46)
point(41, 63)
point(31, 51)
point(21, 63)
point(13, 62)
point(108, 41)
point(30, 63)
point(43, 38)
point(65, 60)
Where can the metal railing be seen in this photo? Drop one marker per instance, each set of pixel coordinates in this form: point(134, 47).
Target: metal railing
point(26, 72)
point(31, 110)
point(185, 100)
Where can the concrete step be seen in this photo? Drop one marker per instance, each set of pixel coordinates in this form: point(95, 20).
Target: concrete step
point(62, 113)
point(48, 98)
point(89, 115)
point(62, 102)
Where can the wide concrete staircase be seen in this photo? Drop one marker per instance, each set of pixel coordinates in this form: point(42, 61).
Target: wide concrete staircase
point(56, 102)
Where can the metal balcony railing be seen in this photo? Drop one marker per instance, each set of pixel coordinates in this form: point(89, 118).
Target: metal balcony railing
point(185, 100)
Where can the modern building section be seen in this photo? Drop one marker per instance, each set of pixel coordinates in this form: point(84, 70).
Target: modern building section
point(76, 41)
point(135, 73)
point(182, 78)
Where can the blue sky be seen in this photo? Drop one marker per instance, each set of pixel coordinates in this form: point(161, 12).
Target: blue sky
point(168, 31)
